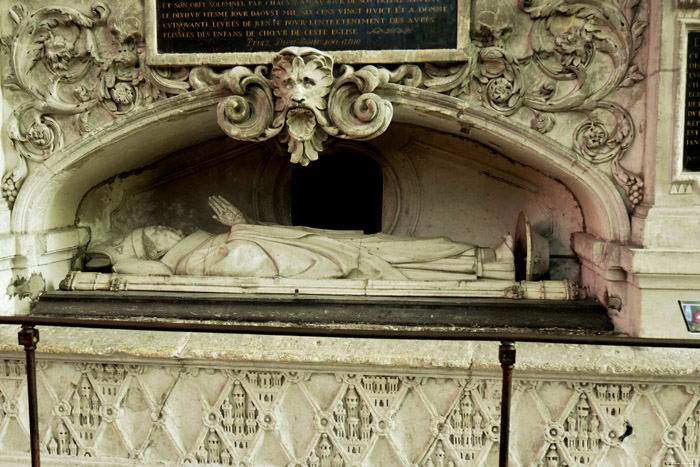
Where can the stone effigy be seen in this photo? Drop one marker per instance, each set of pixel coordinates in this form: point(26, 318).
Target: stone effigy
point(255, 258)
point(274, 251)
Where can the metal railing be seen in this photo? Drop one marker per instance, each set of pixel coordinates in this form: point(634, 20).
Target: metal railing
point(29, 338)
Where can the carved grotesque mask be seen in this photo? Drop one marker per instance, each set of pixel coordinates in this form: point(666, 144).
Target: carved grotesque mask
point(301, 78)
point(58, 52)
point(493, 20)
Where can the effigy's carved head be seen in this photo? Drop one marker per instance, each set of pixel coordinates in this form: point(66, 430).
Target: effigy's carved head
point(144, 243)
point(158, 240)
point(302, 77)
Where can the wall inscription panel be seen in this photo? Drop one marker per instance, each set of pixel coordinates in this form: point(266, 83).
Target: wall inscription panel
point(246, 31)
point(691, 131)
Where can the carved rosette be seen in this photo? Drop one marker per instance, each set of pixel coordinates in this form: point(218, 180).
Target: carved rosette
point(499, 74)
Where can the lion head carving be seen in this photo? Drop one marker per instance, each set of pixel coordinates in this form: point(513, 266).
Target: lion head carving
point(301, 77)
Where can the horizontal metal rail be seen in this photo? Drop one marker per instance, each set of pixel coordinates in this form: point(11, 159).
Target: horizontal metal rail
point(29, 337)
point(368, 332)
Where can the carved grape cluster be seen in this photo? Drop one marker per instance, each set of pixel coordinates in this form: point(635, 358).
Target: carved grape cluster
point(9, 190)
point(635, 190)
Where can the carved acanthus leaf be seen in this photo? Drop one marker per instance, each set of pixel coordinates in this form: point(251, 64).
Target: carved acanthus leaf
point(248, 114)
point(73, 86)
point(355, 110)
point(634, 75)
point(541, 121)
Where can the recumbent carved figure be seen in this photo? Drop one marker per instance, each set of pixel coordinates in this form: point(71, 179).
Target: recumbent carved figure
point(258, 250)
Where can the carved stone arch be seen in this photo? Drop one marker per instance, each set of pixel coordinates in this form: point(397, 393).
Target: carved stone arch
point(51, 193)
point(604, 210)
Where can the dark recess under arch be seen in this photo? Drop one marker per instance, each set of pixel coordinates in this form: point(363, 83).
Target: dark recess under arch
point(339, 192)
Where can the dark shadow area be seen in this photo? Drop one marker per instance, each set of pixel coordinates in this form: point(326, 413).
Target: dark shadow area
point(338, 192)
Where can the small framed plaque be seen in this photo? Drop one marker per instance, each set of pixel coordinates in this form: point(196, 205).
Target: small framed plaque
point(246, 32)
point(691, 314)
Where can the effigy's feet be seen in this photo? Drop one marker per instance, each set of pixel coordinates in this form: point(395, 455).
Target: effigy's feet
point(504, 251)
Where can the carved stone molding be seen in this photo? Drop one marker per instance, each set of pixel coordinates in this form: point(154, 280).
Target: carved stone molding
point(530, 62)
point(681, 187)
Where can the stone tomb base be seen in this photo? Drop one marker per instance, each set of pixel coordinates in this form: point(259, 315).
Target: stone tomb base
point(154, 398)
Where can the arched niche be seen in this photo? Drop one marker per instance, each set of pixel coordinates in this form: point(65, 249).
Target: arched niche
point(51, 194)
point(433, 184)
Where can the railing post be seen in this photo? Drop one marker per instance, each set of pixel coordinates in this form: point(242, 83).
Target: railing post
point(28, 337)
point(506, 355)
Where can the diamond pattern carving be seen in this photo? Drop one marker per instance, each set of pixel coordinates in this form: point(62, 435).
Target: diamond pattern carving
point(170, 415)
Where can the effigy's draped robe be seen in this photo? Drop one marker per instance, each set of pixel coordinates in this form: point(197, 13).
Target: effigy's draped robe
point(303, 253)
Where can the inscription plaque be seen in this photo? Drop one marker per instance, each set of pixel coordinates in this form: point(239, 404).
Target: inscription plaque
point(251, 31)
point(691, 130)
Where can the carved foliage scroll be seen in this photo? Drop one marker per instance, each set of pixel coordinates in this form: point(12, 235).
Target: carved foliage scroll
point(579, 54)
point(528, 60)
point(77, 72)
point(300, 100)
